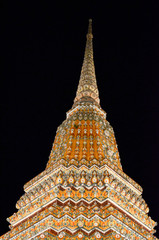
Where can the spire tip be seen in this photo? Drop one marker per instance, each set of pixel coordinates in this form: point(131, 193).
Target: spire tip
point(90, 28)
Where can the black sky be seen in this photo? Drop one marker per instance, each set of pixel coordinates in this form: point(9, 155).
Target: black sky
point(43, 50)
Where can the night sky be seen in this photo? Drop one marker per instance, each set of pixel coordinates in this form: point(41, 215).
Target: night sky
point(43, 48)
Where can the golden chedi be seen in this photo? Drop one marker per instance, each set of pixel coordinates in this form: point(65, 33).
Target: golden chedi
point(83, 193)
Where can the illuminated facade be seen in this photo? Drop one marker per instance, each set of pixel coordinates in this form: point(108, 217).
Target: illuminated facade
point(83, 193)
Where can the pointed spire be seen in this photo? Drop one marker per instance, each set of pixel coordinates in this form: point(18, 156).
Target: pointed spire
point(90, 28)
point(87, 90)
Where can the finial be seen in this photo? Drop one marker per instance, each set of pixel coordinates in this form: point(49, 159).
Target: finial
point(87, 90)
point(90, 29)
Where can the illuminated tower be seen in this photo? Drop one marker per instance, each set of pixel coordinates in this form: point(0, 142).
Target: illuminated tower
point(83, 193)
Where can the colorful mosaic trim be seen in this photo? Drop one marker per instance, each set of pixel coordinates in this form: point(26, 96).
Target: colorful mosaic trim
point(49, 234)
point(72, 225)
point(74, 211)
point(86, 177)
point(80, 235)
point(78, 194)
point(62, 163)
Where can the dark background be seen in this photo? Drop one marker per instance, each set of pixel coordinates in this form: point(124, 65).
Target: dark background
point(43, 51)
